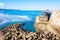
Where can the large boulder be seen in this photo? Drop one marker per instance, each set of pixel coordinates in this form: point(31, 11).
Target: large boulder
point(41, 23)
point(54, 22)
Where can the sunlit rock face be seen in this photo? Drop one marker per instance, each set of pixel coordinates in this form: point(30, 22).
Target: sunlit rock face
point(54, 21)
point(40, 23)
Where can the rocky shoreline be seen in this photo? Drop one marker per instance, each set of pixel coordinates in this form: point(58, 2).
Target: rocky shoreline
point(14, 32)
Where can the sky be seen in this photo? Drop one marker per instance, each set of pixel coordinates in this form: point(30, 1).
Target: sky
point(30, 4)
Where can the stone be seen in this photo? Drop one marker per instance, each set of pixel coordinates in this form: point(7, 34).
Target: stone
point(54, 22)
point(41, 23)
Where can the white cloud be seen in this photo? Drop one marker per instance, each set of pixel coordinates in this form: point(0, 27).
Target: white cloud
point(1, 4)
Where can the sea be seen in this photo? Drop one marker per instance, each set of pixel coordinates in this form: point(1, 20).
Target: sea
point(12, 16)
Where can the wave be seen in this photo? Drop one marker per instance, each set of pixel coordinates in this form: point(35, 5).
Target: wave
point(13, 18)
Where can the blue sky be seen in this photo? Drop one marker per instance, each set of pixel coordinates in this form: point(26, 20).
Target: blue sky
point(30, 4)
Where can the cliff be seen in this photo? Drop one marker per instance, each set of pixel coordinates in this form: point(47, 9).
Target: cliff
point(54, 21)
point(53, 25)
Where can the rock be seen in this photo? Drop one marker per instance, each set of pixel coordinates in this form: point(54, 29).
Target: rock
point(41, 23)
point(16, 33)
point(1, 36)
point(30, 38)
point(7, 29)
point(54, 22)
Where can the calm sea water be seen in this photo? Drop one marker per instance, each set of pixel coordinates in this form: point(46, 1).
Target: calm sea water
point(28, 17)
